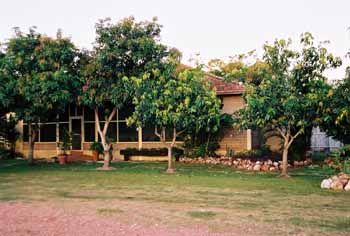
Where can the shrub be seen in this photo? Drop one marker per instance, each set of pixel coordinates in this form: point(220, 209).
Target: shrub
point(5, 153)
point(96, 146)
point(319, 157)
point(341, 159)
point(149, 152)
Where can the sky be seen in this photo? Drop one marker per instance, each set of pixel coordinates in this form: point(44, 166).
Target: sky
point(212, 29)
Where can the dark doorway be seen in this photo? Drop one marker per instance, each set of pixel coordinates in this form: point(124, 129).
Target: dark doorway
point(76, 134)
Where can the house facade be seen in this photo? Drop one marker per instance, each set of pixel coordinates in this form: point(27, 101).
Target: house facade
point(80, 122)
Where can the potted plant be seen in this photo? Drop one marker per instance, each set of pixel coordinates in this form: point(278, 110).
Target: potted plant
point(64, 146)
point(96, 149)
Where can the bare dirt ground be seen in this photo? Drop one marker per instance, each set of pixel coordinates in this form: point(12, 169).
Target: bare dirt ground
point(120, 218)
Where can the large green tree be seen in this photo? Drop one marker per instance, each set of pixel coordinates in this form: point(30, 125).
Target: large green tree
point(289, 99)
point(335, 118)
point(121, 51)
point(41, 74)
point(176, 101)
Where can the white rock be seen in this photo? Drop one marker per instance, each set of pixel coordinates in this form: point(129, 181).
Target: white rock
point(257, 168)
point(347, 186)
point(326, 183)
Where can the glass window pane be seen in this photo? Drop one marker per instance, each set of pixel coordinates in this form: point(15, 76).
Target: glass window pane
point(89, 129)
point(111, 132)
point(48, 133)
point(89, 114)
point(125, 112)
point(148, 133)
point(64, 116)
point(25, 133)
point(63, 128)
point(127, 134)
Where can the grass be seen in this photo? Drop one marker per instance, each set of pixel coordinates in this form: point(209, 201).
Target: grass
point(223, 195)
point(201, 214)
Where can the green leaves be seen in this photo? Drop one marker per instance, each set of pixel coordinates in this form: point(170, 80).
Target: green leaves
point(291, 96)
point(183, 100)
point(41, 74)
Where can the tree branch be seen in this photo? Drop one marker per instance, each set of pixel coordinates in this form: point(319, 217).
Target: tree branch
point(109, 120)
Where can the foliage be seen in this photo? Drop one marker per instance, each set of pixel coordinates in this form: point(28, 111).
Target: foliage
point(262, 153)
point(290, 98)
point(203, 142)
point(342, 159)
point(238, 70)
point(319, 157)
point(128, 152)
point(5, 153)
point(183, 101)
point(121, 51)
point(40, 73)
point(335, 118)
point(97, 147)
point(9, 132)
point(66, 142)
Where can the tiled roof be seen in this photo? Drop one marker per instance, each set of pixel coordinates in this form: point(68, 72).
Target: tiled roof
point(225, 88)
point(222, 87)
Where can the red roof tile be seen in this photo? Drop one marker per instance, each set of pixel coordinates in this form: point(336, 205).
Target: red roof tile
point(222, 87)
point(225, 88)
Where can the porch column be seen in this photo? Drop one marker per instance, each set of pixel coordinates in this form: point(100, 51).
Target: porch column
point(249, 139)
point(139, 130)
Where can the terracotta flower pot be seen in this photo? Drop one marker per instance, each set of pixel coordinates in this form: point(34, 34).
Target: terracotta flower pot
point(62, 159)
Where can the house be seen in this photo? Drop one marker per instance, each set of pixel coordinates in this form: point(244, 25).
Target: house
point(80, 121)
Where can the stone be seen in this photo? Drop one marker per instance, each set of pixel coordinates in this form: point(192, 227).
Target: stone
point(272, 168)
point(343, 180)
point(265, 168)
point(347, 186)
point(337, 185)
point(344, 176)
point(257, 167)
point(275, 164)
point(326, 183)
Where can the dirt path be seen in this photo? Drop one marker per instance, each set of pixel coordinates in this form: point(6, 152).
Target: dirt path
point(51, 219)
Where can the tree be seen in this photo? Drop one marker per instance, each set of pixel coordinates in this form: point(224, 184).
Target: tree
point(40, 73)
point(335, 118)
point(289, 100)
point(237, 69)
point(122, 50)
point(180, 102)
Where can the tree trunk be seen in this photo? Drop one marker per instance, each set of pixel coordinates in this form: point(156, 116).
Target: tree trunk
point(107, 160)
point(103, 133)
point(171, 165)
point(31, 140)
point(284, 172)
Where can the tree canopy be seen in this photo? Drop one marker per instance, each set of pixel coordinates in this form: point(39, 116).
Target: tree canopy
point(122, 50)
point(181, 101)
point(290, 98)
point(335, 119)
point(40, 74)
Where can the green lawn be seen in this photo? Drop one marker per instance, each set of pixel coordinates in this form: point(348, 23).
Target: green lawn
point(220, 196)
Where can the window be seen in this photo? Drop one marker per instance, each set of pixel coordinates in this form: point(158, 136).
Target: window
point(26, 134)
point(111, 132)
point(89, 114)
point(64, 117)
point(148, 133)
point(62, 129)
point(89, 132)
point(127, 134)
point(48, 133)
point(125, 112)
